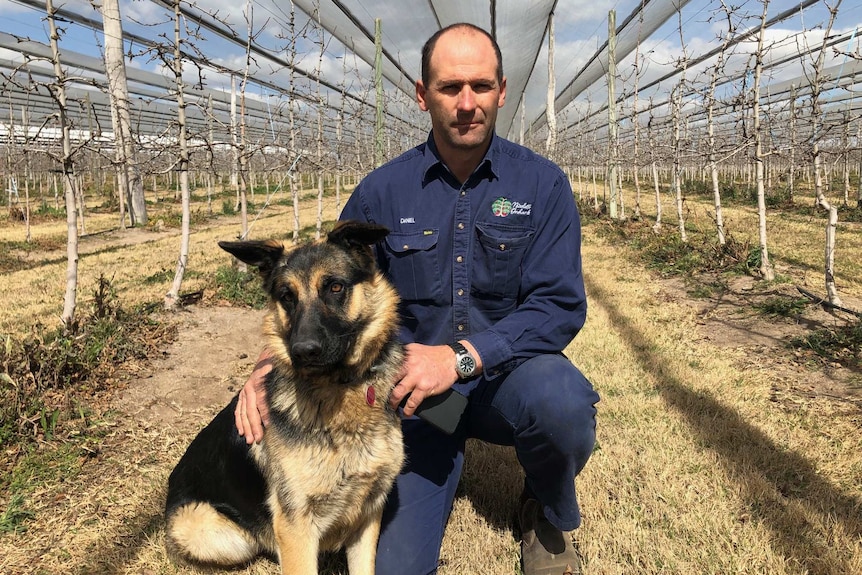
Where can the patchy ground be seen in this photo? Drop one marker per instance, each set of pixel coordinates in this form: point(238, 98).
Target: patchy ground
point(217, 346)
point(729, 319)
point(216, 349)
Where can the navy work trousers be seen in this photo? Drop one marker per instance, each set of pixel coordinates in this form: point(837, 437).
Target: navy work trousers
point(545, 408)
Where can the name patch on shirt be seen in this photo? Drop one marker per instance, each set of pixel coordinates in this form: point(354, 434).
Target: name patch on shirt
point(502, 207)
point(408, 220)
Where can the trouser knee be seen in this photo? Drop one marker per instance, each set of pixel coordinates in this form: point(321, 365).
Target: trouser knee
point(558, 403)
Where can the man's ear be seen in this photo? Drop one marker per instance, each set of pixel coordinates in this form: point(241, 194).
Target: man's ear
point(502, 99)
point(420, 95)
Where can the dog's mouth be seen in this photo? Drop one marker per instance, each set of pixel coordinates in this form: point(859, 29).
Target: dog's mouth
point(314, 366)
point(302, 364)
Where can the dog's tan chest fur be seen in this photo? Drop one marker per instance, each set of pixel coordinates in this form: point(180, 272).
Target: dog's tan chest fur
point(332, 488)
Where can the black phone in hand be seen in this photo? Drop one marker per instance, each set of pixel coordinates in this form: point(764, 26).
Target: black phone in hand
point(442, 411)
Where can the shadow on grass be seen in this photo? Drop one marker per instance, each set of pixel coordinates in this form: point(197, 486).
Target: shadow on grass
point(492, 480)
point(116, 550)
point(781, 488)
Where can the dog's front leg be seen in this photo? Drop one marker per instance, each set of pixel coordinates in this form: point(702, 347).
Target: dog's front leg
point(362, 548)
point(297, 543)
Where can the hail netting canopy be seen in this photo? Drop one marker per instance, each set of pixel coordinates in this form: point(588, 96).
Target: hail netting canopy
point(519, 26)
point(269, 31)
point(307, 66)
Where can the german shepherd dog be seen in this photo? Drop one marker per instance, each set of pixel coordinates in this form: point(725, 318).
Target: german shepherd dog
point(320, 477)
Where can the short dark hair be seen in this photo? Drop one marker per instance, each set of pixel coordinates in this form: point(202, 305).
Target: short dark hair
point(428, 48)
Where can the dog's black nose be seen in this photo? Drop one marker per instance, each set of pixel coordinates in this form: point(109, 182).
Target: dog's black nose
point(305, 351)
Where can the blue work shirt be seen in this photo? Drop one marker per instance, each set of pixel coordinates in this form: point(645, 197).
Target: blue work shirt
point(495, 260)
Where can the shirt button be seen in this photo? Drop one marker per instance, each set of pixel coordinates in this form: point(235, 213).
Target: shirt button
point(459, 259)
point(463, 192)
point(460, 225)
point(406, 247)
point(460, 292)
point(502, 247)
point(460, 327)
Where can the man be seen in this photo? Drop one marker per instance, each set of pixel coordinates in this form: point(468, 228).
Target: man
point(485, 254)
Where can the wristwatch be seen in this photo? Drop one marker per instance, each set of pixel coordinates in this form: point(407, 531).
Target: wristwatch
point(465, 365)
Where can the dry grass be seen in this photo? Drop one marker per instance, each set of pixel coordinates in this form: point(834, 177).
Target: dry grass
point(698, 468)
point(141, 273)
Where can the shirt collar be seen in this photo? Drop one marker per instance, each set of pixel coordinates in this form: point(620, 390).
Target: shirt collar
point(435, 168)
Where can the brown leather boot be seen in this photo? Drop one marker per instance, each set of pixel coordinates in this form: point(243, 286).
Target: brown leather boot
point(545, 550)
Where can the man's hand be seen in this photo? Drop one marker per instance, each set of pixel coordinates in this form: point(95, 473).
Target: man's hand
point(428, 370)
point(252, 413)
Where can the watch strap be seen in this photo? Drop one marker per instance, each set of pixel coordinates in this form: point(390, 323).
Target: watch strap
point(459, 348)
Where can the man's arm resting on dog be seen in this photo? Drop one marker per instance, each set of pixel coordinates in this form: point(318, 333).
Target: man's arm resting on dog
point(251, 413)
point(428, 370)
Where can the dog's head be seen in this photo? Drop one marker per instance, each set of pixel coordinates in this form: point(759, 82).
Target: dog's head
point(331, 309)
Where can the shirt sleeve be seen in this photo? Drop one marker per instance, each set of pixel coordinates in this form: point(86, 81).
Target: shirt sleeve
point(354, 208)
point(552, 304)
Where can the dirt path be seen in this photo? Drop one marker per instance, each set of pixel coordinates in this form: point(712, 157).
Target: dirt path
point(216, 350)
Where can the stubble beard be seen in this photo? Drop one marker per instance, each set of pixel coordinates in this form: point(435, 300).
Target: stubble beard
point(471, 140)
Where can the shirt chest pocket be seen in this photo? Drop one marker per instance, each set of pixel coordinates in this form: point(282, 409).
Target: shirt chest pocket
point(413, 264)
point(497, 259)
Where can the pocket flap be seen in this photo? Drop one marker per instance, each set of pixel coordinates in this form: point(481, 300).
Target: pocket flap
point(400, 242)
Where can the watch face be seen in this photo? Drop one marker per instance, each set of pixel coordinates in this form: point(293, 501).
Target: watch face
point(466, 365)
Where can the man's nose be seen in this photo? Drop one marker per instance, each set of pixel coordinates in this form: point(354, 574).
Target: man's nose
point(467, 99)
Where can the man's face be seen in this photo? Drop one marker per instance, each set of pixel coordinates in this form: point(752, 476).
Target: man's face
point(463, 94)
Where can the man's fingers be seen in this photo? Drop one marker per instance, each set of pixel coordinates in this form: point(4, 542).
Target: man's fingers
point(414, 401)
point(397, 395)
point(262, 415)
point(237, 415)
point(243, 423)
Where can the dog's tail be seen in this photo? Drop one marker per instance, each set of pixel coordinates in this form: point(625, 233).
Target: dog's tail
point(197, 533)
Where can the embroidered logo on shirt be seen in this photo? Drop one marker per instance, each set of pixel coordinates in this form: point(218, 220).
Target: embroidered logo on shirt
point(408, 220)
point(503, 207)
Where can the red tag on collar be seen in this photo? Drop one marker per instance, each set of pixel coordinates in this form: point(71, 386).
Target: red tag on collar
point(370, 395)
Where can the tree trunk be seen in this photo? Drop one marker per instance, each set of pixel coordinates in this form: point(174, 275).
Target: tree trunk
point(551, 115)
point(25, 120)
point(766, 269)
point(657, 225)
point(173, 296)
point(791, 173)
point(832, 211)
point(58, 90)
point(612, 117)
point(131, 185)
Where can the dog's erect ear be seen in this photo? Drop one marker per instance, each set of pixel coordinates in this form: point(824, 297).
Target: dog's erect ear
point(261, 254)
point(350, 233)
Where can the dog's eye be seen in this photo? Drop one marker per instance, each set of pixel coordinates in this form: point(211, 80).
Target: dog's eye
point(336, 287)
point(286, 296)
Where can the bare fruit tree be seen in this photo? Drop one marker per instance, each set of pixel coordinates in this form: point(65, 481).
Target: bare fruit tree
point(817, 133)
point(66, 160)
point(129, 182)
point(676, 108)
point(766, 269)
point(182, 164)
point(712, 161)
